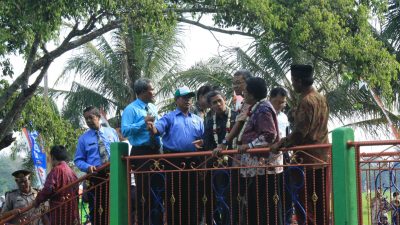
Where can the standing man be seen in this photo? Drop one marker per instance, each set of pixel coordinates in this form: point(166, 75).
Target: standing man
point(133, 126)
point(92, 151)
point(20, 198)
point(278, 98)
point(310, 126)
point(180, 131)
point(217, 125)
point(239, 86)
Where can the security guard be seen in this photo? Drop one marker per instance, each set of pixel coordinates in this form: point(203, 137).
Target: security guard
point(20, 198)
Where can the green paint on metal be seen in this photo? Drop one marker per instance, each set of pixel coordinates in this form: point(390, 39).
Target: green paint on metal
point(118, 185)
point(344, 177)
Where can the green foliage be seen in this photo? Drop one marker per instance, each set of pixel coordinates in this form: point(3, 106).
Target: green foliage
point(332, 32)
point(7, 166)
point(109, 69)
point(23, 19)
point(43, 117)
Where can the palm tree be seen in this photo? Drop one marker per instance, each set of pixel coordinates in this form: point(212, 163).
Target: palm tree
point(272, 61)
point(109, 67)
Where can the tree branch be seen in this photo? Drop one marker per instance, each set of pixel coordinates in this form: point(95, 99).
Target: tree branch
point(231, 32)
point(194, 10)
point(73, 44)
point(39, 63)
point(19, 103)
point(23, 78)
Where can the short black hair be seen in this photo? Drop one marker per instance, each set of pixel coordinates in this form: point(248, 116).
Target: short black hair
point(212, 94)
point(203, 90)
point(303, 72)
point(59, 152)
point(94, 110)
point(278, 91)
point(257, 87)
point(245, 73)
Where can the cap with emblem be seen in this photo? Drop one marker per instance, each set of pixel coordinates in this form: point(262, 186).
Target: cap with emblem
point(184, 91)
point(23, 172)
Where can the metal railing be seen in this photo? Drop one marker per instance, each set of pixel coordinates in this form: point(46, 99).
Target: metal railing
point(378, 181)
point(197, 188)
point(71, 208)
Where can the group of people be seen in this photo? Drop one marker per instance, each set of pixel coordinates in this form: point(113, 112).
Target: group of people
point(256, 122)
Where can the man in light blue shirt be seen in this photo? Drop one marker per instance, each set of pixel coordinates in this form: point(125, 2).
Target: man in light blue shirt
point(92, 151)
point(134, 117)
point(133, 127)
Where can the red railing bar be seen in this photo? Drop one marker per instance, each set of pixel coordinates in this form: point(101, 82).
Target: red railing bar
point(228, 152)
point(23, 210)
point(377, 154)
point(373, 143)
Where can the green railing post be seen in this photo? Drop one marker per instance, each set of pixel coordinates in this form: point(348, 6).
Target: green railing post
point(118, 185)
point(344, 177)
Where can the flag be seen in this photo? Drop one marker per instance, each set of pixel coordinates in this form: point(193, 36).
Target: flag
point(38, 155)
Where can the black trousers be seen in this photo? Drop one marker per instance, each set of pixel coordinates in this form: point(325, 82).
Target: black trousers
point(181, 201)
point(263, 194)
point(147, 202)
point(313, 182)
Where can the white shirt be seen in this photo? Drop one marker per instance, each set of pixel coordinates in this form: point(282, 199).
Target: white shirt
point(283, 123)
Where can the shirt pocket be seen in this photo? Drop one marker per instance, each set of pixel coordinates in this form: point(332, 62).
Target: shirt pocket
point(195, 126)
point(91, 147)
point(19, 202)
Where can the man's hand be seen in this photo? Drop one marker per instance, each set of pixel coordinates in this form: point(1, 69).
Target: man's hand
point(275, 147)
point(217, 151)
point(150, 125)
point(91, 169)
point(149, 118)
point(198, 143)
point(243, 148)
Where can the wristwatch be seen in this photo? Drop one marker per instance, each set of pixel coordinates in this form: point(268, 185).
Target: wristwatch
point(225, 142)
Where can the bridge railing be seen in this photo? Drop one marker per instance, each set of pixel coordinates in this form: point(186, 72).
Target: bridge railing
point(198, 188)
point(378, 181)
point(72, 206)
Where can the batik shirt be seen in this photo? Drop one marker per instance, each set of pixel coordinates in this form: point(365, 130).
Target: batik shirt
point(261, 131)
point(310, 125)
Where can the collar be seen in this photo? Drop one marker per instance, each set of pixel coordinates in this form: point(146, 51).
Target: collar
point(31, 192)
point(178, 111)
point(101, 130)
point(226, 112)
point(305, 93)
point(141, 103)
